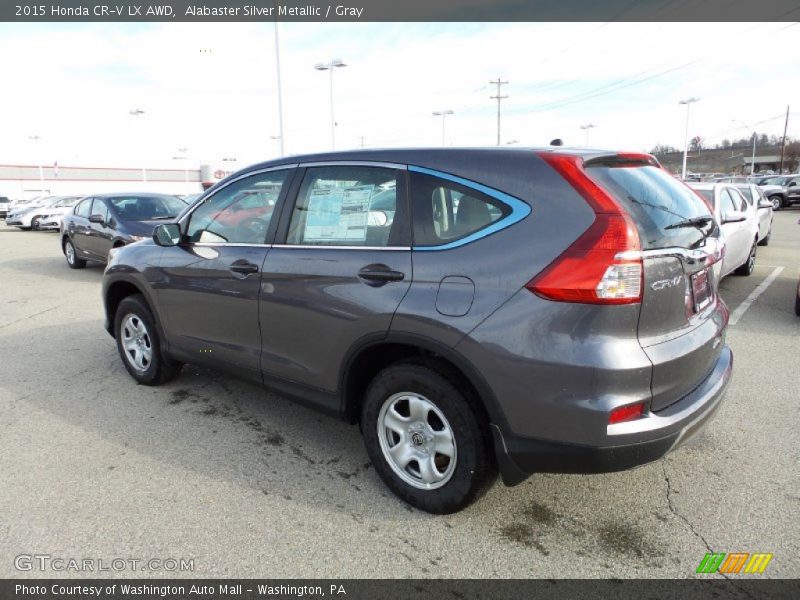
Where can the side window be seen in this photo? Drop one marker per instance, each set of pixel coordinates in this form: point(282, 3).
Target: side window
point(445, 211)
point(728, 204)
point(738, 200)
point(349, 206)
point(239, 213)
point(82, 210)
point(99, 208)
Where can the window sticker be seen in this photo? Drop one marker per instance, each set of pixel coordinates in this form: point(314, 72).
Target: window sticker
point(338, 214)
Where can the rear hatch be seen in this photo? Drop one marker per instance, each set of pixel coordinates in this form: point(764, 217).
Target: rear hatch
point(681, 322)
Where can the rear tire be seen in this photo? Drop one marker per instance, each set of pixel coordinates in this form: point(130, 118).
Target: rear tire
point(72, 258)
point(410, 413)
point(749, 266)
point(797, 301)
point(139, 343)
point(765, 241)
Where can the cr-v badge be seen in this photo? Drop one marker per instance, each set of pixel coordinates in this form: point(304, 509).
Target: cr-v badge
point(666, 283)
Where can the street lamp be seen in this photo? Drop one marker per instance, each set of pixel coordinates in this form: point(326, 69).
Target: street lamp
point(687, 102)
point(35, 139)
point(753, 159)
point(279, 137)
point(138, 112)
point(586, 128)
point(443, 114)
point(336, 62)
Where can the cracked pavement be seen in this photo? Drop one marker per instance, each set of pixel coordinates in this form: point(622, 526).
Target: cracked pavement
point(248, 484)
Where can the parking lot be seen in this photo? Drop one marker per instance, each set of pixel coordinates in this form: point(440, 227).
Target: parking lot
point(244, 482)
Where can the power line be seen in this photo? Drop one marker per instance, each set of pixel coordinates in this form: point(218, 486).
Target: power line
point(498, 82)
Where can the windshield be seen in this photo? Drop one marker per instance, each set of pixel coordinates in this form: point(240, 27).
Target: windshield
point(658, 203)
point(146, 208)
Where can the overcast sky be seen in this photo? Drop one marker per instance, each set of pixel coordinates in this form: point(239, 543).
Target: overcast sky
point(212, 88)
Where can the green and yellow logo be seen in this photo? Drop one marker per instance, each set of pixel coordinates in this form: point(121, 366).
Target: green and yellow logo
point(734, 562)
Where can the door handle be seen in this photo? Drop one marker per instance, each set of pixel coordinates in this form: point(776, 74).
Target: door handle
point(244, 267)
point(379, 274)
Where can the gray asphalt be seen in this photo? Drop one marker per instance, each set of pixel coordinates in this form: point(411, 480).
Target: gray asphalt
point(247, 484)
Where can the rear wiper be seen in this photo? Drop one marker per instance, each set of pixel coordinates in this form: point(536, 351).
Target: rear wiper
point(698, 222)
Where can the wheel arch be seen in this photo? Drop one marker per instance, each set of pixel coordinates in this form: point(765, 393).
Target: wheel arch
point(115, 291)
point(369, 356)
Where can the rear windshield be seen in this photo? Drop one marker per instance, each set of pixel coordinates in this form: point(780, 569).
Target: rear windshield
point(659, 204)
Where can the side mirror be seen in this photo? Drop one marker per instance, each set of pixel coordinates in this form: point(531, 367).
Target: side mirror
point(734, 216)
point(97, 219)
point(764, 203)
point(168, 234)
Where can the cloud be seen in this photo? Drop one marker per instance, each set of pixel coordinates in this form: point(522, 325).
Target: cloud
point(212, 87)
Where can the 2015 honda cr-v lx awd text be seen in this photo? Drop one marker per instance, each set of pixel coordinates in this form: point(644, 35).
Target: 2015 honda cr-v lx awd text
point(474, 310)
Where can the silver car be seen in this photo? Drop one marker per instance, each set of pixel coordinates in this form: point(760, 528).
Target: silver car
point(762, 207)
point(739, 225)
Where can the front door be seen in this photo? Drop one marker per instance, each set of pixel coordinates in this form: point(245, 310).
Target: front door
point(208, 286)
point(340, 274)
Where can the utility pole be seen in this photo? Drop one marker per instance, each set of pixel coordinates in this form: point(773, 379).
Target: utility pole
point(498, 82)
point(280, 89)
point(361, 137)
point(783, 141)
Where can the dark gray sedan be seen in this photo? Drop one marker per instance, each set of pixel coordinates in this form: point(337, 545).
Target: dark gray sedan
point(104, 221)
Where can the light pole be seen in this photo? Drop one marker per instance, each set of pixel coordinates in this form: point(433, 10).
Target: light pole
point(280, 89)
point(35, 139)
point(753, 158)
point(138, 112)
point(443, 114)
point(586, 128)
point(279, 139)
point(688, 103)
point(336, 62)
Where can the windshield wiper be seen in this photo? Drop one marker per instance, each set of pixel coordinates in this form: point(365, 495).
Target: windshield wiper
point(698, 222)
point(159, 218)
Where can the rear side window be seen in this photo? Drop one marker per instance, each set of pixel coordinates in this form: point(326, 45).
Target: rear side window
point(349, 205)
point(708, 195)
point(657, 202)
point(445, 211)
point(82, 210)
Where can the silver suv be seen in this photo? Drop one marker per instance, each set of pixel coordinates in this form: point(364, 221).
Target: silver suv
point(474, 310)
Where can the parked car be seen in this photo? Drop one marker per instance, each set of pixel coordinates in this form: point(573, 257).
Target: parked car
point(21, 207)
point(104, 221)
point(776, 188)
point(55, 213)
point(28, 216)
point(761, 206)
point(31, 218)
point(5, 203)
point(739, 227)
point(563, 317)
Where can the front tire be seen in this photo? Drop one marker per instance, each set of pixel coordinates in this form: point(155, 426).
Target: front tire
point(777, 202)
point(35, 223)
point(765, 241)
point(749, 266)
point(139, 344)
point(72, 258)
point(425, 439)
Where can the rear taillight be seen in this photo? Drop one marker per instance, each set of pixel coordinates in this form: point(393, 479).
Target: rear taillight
point(604, 265)
point(629, 412)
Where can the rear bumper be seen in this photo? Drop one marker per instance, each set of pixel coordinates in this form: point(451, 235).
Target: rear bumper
point(629, 444)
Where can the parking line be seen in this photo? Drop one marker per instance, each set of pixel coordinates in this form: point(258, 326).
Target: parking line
point(740, 310)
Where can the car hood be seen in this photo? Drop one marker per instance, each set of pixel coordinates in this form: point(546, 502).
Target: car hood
point(772, 188)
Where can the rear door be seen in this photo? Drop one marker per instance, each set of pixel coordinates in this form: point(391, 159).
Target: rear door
point(339, 273)
point(682, 320)
point(78, 227)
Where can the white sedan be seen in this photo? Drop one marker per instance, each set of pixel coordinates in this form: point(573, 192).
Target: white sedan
point(739, 225)
point(762, 206)
point(28, 216)
point(55, 213)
